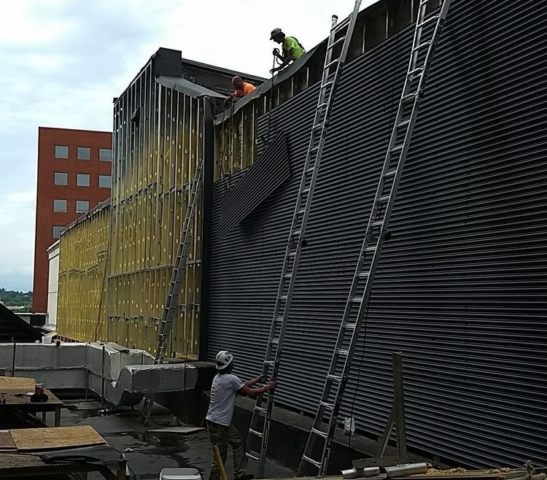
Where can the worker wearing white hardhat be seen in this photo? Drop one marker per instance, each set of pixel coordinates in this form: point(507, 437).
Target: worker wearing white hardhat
point(221, 410)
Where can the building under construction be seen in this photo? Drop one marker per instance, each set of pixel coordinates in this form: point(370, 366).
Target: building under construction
point(460, 288)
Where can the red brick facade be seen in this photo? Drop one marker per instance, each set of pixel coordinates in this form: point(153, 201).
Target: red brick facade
point(47, 192)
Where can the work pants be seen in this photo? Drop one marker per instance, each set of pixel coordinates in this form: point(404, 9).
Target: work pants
point(223, 437)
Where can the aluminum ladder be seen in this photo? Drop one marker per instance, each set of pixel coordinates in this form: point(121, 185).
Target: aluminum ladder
point(426, 35)
point(177, 280)
point(336, 53)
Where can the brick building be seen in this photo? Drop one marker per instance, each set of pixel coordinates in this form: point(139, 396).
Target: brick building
point(74, 175)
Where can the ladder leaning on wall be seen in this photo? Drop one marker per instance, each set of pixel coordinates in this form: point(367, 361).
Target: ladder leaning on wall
point(337, 48)
point(170, 309)
point(376, 232)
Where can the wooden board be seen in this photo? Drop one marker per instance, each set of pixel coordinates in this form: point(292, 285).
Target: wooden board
point(17, 383)
point(33, 439)
point(7, 444)
point(19, 461)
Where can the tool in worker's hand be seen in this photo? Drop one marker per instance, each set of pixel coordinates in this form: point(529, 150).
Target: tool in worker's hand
point(220, 464)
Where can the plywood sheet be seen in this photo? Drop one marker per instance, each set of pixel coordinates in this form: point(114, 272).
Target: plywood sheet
point(17, 383)
point(6, 442)
point(30, 439)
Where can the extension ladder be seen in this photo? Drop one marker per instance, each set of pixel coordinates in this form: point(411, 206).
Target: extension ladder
point(337, 49)
point(177, 279)
point(376, 232)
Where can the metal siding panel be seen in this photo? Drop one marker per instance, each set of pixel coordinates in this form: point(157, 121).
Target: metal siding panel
point(267, 174)
point(461, 285)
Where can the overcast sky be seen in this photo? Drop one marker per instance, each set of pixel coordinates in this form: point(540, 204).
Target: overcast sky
point(62, 62)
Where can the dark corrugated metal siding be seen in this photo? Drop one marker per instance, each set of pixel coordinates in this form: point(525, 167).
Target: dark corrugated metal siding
point(265, 176)
point(462, 284)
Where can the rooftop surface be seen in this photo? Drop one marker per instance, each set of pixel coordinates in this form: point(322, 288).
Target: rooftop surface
point(148, 452)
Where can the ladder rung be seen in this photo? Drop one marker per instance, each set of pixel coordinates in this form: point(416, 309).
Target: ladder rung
point(252, 457)
point(404, 123)
point(319, 432)
point(342, 352)
point(422, 45)
point(334, 378)
point(283, 297)
point(344, 23)
point(415, 71)
point(390, 173)
point(377, 223)
point(274, 341)
point(270, 363)
point(292, 254)
point(287, 275)
point(306, 190)
point(336, 42)
point(410, 96)
point(330, 64)
point(372, 248)
point(254, 432)
point(260, 409)
point(356, 299)
point(396, 149)
point(297, 233)
point(363, 274)
point(310, 170)
point(429, 20)
point(349, 326)
point(327, 84)
point(312, 461)
point(383, 199)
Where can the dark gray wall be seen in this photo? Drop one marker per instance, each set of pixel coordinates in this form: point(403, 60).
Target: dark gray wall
point(461, 288)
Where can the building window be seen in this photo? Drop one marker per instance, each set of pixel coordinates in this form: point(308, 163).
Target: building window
point(82, 206)
point(84, 153)
point(82, 179)
point(105, 181)
point(105, 154)
point(59, 205)
point(61, 178)
point(61, 151)
point(57, 230)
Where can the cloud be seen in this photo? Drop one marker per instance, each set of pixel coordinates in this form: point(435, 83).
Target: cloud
point(63, 61)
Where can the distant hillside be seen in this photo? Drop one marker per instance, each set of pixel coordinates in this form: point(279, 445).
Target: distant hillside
point(11, 298)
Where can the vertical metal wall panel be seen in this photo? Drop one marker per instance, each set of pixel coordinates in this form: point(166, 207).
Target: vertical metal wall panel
point(461, 285)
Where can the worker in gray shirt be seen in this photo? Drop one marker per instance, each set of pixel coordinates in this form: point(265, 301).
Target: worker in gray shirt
point(221, 410)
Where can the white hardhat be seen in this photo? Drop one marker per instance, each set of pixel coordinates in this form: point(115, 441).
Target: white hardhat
point(224, 359)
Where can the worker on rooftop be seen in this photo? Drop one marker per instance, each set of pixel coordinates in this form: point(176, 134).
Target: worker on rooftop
point(221, 410)
point(292, 49)
point(241, 89)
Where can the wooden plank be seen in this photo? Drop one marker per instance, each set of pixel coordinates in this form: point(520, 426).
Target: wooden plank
point(7, 444)
point(17, 383)
point(32, 439)
point(10, 461)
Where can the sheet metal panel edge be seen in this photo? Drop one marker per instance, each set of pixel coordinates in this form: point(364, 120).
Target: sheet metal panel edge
point(263, 177)
point(461, 285)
